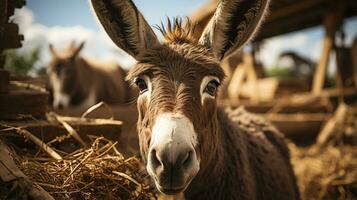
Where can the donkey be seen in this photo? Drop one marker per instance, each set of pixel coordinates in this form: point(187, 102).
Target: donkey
point(189, 145)
point(78, 81)
point(302, 66)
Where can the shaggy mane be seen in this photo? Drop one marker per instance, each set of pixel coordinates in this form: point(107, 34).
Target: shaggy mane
point(178, 31)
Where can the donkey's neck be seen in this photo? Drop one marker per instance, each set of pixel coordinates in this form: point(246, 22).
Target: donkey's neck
point(83, 83)
point(219, 178)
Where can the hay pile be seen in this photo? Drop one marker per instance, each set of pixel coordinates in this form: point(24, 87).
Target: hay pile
point(328, 169)
point(328, 173)
point(96, 172)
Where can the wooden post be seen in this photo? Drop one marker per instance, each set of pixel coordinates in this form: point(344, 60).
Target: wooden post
point(331, 22)
point(244, 72)
point(252, 77)
point(9, 38)
point(3, 20)
point(334, 126)
point(354, 59)
point(236, 82)
point(229, 66)
point(4, 81)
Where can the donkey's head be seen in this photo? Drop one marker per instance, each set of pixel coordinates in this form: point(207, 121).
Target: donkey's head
point(178, 82)
point(62, 73)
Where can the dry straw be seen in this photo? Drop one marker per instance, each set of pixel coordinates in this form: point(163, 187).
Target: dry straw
point(96, 172)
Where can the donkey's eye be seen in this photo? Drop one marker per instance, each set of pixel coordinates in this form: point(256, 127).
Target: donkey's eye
point(211, 87)
point(141, 84)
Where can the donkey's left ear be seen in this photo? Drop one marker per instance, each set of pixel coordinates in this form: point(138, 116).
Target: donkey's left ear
point(77, 49)
point(233, 25)
point(125, 25)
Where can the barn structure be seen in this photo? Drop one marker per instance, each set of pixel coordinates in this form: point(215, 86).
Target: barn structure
point(317, 111)
point(24, 113)
point(305, 107)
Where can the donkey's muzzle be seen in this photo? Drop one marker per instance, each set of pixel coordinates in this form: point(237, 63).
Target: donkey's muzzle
point(172, 170)
point(172, 159)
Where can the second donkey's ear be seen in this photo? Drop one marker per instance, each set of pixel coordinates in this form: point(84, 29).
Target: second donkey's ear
point(232, 25)
point(125, 25)
point(78, 49)
point(52, 50)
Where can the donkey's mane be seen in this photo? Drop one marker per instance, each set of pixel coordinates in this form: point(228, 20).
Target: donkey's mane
point(178, 30)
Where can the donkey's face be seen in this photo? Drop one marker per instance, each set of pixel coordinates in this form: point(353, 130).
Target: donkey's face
point(178, 82)
point(62, 74)
point(177, 103)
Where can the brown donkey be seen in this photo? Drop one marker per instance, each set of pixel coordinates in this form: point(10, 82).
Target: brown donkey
point(78, 81)
point(188, 144)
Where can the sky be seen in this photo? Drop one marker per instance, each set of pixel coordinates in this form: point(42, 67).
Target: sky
point(59, 22)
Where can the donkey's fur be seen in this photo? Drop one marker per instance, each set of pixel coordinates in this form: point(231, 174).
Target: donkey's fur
point(240, 156)
point(85, 81)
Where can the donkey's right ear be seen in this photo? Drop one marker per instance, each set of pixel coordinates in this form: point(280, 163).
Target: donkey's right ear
point(52, 50)
point(125, 25)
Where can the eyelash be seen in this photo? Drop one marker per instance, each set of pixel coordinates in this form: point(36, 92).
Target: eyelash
point(141, 84)
point(211, 88)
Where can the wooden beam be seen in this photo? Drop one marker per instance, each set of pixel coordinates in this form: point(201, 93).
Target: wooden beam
point(23, 101)
point(49, 130)
point(334, 126)
point(13, 39)
point(331, 22)
point(354, 59)
point(3, 21)
point(252, 76)
point(299, 6)
point(236, 82)
point(300, 125)
point(4, 81)
point(284, 107)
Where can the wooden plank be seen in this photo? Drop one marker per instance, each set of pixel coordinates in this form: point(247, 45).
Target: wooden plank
point(252, 77)
point(334, 127)
point(299, 6)
point(12, 4)
point(3, 20)
point(284, 108)
point(13, 39)
point(331, 22)
point(128, 114)
point(49, 130)
point(299, 126)
point(354, 59)
point(229, 65)
point(331, 93)
point(236, 82)
point(4, 81)
point(10, 173)
point(23, 101)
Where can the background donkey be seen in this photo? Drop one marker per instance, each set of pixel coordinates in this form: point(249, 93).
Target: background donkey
point(188, 144)
point(78, 81)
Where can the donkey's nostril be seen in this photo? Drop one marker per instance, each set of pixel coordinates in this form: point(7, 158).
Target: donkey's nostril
point(60, 106)
point(187, 159)
point(155, 160)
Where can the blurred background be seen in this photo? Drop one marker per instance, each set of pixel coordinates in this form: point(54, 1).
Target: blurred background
point(60, 22)
point(299, 72)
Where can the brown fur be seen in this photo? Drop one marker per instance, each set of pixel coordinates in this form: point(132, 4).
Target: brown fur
point(241, 156)
point(86, 75)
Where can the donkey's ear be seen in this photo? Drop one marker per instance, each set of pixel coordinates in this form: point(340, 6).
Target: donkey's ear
point(233, 24)
point(77, 49)
point(125, 25)
point(52, 50)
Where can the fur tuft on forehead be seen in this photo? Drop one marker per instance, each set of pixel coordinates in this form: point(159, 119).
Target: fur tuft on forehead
point(178, 31)
point(177, 60)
